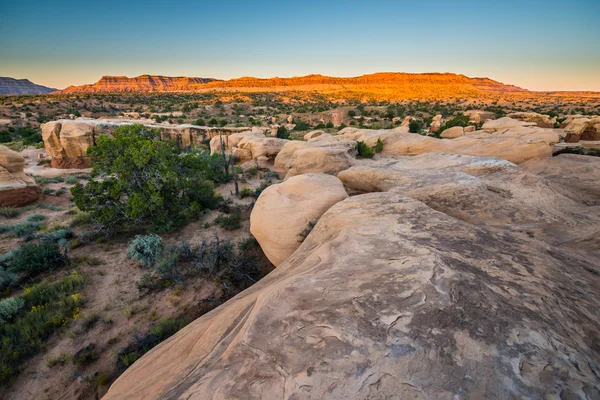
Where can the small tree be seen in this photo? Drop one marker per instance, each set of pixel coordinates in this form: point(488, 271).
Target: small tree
point(282, 133)
point(415, 126)
point(145, 181)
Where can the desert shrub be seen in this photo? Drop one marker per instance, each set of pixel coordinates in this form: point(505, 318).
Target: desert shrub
point(246, 192)
point(302, 126)
point(82, 219)
point(364, 151)
point(71, 180)
point(57, 235)
point(9, 308)
point(156, 334)
point(36, 217)
point(9, 212)
point(48, 307)
point(85, 356)
point(145, 181)
point(379, 146)
point(415, 126)
point(7, 279)
point(166, 266)
point(306, 231)
point(282, 132)
point(146, 249)
point(51, 207)
point(232, 221)
point(248, 244)
point(263, 185)
point(23, 229)
point(33, 258)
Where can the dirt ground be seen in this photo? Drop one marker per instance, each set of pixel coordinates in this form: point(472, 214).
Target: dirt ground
point(110, 294)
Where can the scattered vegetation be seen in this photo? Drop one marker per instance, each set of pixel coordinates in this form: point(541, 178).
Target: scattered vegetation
point(146, 181)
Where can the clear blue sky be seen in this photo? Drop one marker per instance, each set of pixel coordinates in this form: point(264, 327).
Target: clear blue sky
point(539, 45)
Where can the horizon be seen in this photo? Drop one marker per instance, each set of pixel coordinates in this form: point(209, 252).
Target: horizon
point(540, 49)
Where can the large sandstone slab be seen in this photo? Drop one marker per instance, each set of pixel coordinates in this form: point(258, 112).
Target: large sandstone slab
point(480, 282)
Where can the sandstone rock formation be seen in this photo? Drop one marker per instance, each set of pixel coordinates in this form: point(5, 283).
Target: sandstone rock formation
point(503, 124)
point(513, 144)
point(478, 116)
point(436, 123)
point(285, 210)
point(16, 187)
point(457, 277)
point(541, 120)
point(452, 133)
point(68, 140)
point(249, 145)
point(327, 157)
point(313, 134)
point(583, 129)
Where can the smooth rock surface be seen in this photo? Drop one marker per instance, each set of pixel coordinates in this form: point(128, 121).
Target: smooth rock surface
point(284, 210)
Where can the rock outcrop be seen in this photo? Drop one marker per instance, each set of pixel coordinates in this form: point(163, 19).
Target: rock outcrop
point(583, 129)
point(67, 141)
point(286, 211)
point(436, 123)
point(453, 132)
point(503, 124)
point(326, 157)
point(453, 277)
point(478, 116)
point(16, 187)
point(517, 144)
point(245, 146)
point(541, 120)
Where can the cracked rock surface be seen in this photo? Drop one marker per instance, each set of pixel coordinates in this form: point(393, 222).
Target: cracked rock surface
point(443, 276)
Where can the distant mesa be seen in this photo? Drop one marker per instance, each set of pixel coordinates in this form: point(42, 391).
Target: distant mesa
point(22, 86)
point(394, 85)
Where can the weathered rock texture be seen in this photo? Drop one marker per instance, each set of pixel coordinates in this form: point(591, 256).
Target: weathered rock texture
point(541, 120)
point(517, 144)
point(67, 141)
point(583, 129)
point(460, 277)
point(249, 145)
point(315, 156)
point(16, 187)
point(286, 210)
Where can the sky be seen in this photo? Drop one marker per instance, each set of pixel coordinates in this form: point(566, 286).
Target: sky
point(538, 45)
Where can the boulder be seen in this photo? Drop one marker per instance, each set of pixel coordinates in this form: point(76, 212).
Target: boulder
point(313, 134)
point(453, 132)
point(328, 157)
point(467, 278)
point(504, 123)
point(541, 120)
point(16, 187)
point(285, 212)
point(258, 147)
point(478, 116)
point(583, 129)
point(436, 123)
